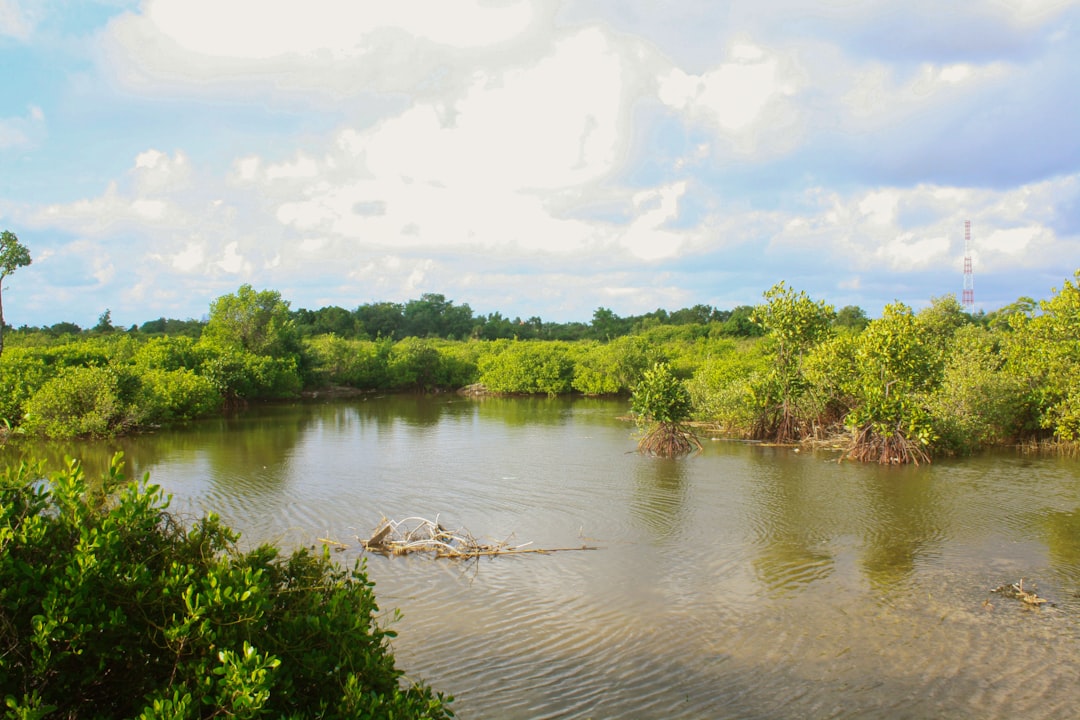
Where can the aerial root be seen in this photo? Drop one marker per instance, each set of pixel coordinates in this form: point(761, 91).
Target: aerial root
point(668, 440)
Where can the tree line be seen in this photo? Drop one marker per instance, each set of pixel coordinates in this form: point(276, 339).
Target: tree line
point(903, 387)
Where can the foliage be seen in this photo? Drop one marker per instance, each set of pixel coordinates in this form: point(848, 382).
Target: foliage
point(939, 323)
point(13, 255)
point(256, 321)
point(611, 368)
point(166, 396)
point(241, 376)
point(112, 609)
point(21, 374)
point(793, 324)
point(661, 404)
point(528, 367)
point(896, 370)
point(977, 403)
point(851, 317)
point(660, 397)
point(82, 401)
point(332, 360)
point(1044, 353)
point(416, 364)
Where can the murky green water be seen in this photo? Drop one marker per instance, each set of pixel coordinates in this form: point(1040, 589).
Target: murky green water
point(745, 582)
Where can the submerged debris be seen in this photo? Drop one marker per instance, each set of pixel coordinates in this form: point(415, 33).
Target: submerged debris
point(1017, 592)
point(419, 535)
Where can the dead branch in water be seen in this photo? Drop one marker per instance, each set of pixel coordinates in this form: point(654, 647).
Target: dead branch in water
point(1017, 592)
point(420, 535)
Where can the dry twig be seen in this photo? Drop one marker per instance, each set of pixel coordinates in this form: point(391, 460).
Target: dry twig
point(420, 535)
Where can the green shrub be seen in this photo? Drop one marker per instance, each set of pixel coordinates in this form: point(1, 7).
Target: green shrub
point(168, 353)
point(977, 403)
point(529, 368)
point(22, 372)
point(82, 401)
point(720, 390)
point(111, 608)
point(169, 395)
point(661, 404)
point(240, 375)
point(611, 368)
point(416, 364)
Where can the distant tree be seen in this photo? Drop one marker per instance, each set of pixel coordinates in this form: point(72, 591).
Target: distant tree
point(435, 316)
point(64, 328)
point(851, 316)
point(382, 319)
point(697, 315)
point(331, 319)
point(606, 325)
point(104, 323)
point(13, 255)
point(739, 323)
point(1002, 318)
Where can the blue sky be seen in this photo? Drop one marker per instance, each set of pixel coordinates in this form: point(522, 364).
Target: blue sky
point(535, 157)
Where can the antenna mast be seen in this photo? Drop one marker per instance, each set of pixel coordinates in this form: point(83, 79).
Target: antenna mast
point(969, 275)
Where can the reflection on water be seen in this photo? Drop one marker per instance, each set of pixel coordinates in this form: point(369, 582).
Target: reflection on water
point(745, 582)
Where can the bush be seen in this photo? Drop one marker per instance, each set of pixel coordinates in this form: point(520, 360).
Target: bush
point(661, 404)
point(22, 372)
point(611, 368)
point(529, 368)
point(82, 401)
point(111, 608)
point(170, 395)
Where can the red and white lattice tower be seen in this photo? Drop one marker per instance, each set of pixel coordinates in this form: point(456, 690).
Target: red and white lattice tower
point(969, 275)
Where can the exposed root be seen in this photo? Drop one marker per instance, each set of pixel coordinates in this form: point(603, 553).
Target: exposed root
point(419, 535)
point(668, 440)
point(895, 449)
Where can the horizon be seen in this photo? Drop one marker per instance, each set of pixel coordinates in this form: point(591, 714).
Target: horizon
point(534, 157)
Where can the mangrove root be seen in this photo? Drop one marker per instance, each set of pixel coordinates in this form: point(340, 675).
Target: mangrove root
point(419, 535)
point(668, 440)
point(869, 445)
point(1017, 592)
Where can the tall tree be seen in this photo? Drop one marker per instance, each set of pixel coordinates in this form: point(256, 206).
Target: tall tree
point(257, 321)
point(13, 255)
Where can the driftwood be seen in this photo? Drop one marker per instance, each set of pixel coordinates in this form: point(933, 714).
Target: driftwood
point(420, 535)
point(1017, 592)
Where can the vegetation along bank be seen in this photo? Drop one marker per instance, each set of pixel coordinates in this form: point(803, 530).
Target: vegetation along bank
point(903, 387)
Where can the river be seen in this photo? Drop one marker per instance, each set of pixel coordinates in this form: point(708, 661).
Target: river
point(742, 582)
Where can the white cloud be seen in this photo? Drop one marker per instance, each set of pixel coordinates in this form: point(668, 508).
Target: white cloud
point(22, 132)
point(337, 27)
point(189, 259)
point(232, 261)
point(15, 20)
point(744, 97)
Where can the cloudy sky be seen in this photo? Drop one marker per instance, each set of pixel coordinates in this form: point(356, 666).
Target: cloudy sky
point(535, 157)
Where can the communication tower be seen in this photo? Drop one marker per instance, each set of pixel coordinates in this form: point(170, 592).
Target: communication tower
point(969, 275)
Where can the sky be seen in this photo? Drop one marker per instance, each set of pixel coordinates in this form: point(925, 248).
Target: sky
point(534, 157)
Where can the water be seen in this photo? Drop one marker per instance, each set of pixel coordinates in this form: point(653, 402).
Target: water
point(744, 582)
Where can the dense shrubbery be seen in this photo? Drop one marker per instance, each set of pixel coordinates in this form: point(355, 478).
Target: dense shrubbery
point(904, 386)
point(110, 608)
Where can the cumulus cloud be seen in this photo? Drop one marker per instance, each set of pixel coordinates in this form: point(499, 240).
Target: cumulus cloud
point(22, 132)
point(578, 153)
point(16, 20)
